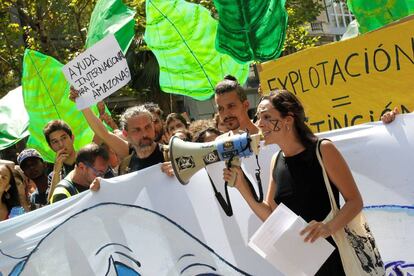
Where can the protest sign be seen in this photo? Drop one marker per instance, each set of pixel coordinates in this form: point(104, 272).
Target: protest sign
point(98, 72)
point(349, 82)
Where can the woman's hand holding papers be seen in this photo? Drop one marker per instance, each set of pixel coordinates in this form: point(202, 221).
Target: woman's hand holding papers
point(315, 230)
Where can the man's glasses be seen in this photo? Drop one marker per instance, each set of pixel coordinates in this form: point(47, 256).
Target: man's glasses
point(95, 171)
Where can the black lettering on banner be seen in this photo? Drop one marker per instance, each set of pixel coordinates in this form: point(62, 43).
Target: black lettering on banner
point(335, 71)
point(301, 83)
point(340, 104)
point(356, 118)
point(72, 73)
point(366, 61)
point(311, 79)
point(404, 109)
point(323, 70)
point(348, 59)
point(283, 84)
point(83, 90)
point(269, 83)
point(293, 82)
point(317, 124)
point(93, 84)
point(337, 124)
point(371, 116)
point(329, 122)
point(96, 94)
point(388, 62)
point(397, 56)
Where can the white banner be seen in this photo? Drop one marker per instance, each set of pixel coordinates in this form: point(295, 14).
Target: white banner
point(148, 224)
point(98, 72)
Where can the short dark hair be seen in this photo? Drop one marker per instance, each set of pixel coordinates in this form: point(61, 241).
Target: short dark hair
point(229, 84)
point(154, 108)
point(175, 116)
point(56, 125)
point(90, 152)
point(201, 135)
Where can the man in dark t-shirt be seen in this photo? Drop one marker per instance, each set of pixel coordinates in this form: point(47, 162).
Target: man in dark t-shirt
point(137, 125)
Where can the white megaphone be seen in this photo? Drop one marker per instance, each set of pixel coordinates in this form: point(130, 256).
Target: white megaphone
point(187, 158)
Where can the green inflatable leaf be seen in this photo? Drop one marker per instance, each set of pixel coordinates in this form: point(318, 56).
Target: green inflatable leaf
point(14, 121)
point(251, 30)
point(45, 95)
point(182, 36)
point(111, 17)
point(374, 14)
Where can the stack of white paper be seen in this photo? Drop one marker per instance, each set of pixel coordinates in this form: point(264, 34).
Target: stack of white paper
point(278, 240)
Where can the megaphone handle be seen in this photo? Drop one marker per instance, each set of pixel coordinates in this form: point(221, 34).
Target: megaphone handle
point(229, 164)
point(225, 205)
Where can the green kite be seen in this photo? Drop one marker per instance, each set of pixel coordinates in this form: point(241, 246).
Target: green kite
point(374, 14)
point(45, 95)
point(14, 121)
point(182, 36)
point(111, 17)
point(251, 30)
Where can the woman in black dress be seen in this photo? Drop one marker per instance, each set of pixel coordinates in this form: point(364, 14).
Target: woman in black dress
point(296, 175)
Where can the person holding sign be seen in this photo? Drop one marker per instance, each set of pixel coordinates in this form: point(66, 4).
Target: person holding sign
point(296, 175)
point(138, 127)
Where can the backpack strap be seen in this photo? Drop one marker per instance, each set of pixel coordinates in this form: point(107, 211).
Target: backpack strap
point(68, 186)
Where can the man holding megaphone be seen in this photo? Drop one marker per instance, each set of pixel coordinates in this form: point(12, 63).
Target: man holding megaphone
point(242, 140)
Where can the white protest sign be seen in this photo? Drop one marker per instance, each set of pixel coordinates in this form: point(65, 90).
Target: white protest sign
point(98, 72)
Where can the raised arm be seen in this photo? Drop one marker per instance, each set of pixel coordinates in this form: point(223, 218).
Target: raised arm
point(119, 145)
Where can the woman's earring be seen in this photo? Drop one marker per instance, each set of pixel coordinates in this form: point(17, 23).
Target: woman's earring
point(7, 195)
point(287, 128)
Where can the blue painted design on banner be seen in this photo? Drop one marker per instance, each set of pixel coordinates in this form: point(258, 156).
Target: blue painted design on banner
point(119, 265)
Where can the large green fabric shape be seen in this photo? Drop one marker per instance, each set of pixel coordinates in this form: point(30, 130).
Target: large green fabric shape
point(182, 37)
point(14, 121)
point(45, 95)
point(374, 14)
point(111, 17)
point(251, 30)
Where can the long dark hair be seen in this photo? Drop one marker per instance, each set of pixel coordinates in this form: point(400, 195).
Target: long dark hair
point(288, 105)
point(12, 199)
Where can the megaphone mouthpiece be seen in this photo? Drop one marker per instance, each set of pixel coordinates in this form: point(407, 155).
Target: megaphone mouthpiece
point(187, 158)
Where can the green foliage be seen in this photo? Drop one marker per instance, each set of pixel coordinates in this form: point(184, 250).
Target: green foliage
point(297, 35)
point(58, 28)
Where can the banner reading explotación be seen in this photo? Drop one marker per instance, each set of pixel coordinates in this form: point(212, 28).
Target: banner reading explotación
point(349, 82)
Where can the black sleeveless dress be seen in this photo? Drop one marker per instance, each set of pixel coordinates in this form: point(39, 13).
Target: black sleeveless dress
point(301, 187)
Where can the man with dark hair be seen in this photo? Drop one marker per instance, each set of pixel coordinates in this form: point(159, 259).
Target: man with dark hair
point(138, 127)
point(59, 136)
point(233, 106)
point(91, 162)
point(157, 115)
point(34, 167)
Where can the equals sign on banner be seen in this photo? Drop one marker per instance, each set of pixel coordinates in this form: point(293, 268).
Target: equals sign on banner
point(341, 101)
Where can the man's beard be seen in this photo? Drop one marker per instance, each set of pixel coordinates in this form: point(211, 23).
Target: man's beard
point(145, 143)
point(232, 123)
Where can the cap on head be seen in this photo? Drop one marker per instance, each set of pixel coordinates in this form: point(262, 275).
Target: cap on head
point(28, 153)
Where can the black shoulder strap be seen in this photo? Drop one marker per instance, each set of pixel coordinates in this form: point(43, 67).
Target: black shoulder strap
point(68, 186)
point(318, 144)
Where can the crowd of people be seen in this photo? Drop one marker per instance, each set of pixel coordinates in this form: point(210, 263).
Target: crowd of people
point(141, 140)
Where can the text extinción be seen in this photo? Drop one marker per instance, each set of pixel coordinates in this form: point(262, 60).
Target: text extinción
point(98, 72)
